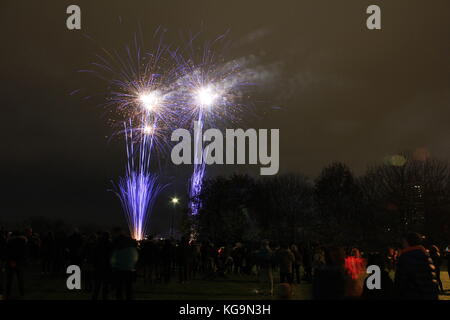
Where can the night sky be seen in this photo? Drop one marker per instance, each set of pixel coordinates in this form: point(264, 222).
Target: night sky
point(336, 91)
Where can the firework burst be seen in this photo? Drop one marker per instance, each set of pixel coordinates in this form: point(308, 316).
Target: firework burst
point(139, 91)
point(155, 95)
point(209, 91)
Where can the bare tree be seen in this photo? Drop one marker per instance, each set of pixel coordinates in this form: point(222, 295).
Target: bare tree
point(337, 199)
point(413, 195)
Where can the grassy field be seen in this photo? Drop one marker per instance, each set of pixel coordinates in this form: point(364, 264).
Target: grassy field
point(236, 287)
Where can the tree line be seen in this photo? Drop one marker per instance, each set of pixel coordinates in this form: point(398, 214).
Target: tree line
point(371, 210)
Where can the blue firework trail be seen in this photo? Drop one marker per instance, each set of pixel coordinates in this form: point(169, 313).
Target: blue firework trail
point(139, 188)
point(209, 89)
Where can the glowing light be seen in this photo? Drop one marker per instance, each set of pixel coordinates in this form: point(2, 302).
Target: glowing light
point(148, 129)
point(398, 160)
point(206, 96)
point(138, 82)
point(174, 200)
point(150, 100)
point(355, 266)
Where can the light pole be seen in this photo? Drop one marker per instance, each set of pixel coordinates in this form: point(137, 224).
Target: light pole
point(174, 201)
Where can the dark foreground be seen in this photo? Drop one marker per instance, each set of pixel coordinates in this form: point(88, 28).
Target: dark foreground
point(234, 287)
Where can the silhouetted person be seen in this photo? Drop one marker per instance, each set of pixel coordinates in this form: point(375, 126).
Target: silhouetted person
point(250, 258)
point(196, 258)
point(228, 259)
point(148, 259)
point(415, 278)
point(15, 262)
point(102, 266)
point(264, 259)
point(297, 263)
point(75, 247)
point(330, 279)
point(285, 259)
point(390, 259)
point(238, 255)
point(307, 262)
point(209, 259)
point(33, 245)
point(167, 259)
point(2, 261)
point(435, 255)
point(386, 292)
point(60, 258)
point(285, 291)
point(447, 256)
point(123, 262)
point(48, 253)
point(183, 259)
point(220, 261)
point(88, 257)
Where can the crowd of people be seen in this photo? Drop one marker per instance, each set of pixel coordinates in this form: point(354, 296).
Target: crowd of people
point(112, 262)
